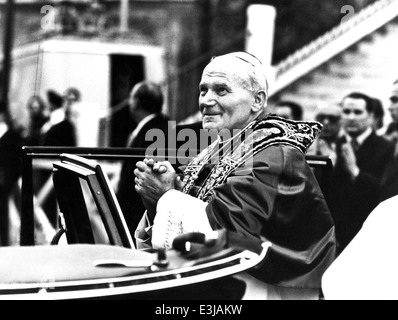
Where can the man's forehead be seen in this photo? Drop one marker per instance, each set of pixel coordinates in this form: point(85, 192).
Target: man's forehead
point(354, 102)
point(245, 57)
point(226, 67)
point(216, 76)
point(330, 110)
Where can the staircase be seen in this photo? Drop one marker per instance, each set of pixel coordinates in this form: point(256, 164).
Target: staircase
point(369, 65)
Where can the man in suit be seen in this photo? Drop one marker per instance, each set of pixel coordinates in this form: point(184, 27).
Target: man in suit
point(59, 130)
point(361, 159)
point(389, 182)
point(145, 105)
point(326, 144)
point(392, 130)
point(10, 169)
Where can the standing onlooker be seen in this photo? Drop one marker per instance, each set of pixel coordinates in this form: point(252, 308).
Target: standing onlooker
point(389, 182)
point(392, 129)
point(84, 116)
point(59, 130)
point(146, 103)
point(37, 118)
point(378, 117)
point(361, 159)
point(288, 110)
point(330, 117)
point(71, 96)
point(10, 169)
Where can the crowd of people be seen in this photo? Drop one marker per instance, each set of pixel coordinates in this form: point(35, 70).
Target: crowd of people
point(360, 156)
point(363, 154)
point(49, 124)
point(260, 187)
point(10, 170)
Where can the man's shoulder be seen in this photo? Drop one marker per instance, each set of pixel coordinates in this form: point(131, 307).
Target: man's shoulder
point(160, 121)
point(277, 130)
point(381, 142)
point(61, 126)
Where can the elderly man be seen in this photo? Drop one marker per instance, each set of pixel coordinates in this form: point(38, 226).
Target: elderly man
point(256, 183)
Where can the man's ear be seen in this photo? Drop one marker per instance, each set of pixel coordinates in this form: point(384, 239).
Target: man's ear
point(260, 100)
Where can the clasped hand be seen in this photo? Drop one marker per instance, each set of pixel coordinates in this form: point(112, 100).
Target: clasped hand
point(153, 179)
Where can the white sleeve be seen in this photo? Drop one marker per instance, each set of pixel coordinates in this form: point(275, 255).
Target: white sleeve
point(178, 213)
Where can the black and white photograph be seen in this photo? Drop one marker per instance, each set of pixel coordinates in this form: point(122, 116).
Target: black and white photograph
point(191, 156)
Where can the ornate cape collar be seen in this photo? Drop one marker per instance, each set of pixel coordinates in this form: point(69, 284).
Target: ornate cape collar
point(274, 130)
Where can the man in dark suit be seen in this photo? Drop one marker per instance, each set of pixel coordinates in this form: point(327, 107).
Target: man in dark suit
point(392, 129)
point(59, 130)
point(145, 105)
point(10, 170)
point(389, 182)
point(361, 159)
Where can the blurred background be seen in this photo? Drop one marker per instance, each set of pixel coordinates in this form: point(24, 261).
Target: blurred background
point(316, 52)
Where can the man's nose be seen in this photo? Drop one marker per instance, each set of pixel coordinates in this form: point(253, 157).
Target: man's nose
point(351, 116)
point(208, 99)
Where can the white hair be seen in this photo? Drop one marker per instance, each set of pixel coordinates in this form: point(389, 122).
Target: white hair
point(257, 76)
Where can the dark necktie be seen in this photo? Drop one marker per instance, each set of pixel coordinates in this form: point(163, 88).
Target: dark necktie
point(355, 145)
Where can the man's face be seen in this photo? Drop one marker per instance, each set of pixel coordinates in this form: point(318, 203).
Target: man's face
point(225, 99)
point(393, 108)
point(330, 117)
point(356, 119)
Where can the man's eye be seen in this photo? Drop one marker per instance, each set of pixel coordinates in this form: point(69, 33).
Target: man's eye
point(202, 91)
point(222, 90)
